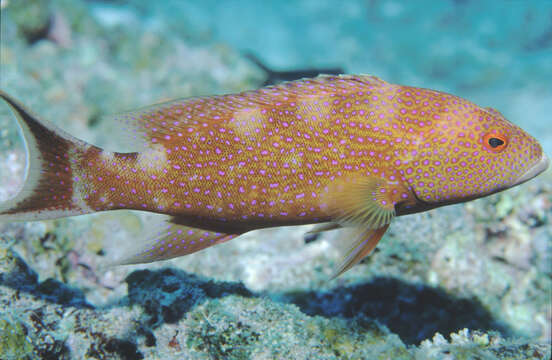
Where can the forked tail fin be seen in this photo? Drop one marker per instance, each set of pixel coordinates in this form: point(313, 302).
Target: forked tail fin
point(49, 190)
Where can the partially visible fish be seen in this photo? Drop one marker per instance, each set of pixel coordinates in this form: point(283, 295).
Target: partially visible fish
point(346, 151)
point(279, 76)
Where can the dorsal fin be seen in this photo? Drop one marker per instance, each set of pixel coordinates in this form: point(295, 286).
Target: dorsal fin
point(161, 123)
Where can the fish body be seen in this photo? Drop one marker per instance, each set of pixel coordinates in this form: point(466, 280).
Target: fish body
point(352, 151)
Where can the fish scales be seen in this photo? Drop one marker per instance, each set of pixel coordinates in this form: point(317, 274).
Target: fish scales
point(350, 150)
point(264, 157)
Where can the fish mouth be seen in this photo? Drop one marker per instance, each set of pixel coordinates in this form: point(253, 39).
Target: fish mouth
point(536, 169)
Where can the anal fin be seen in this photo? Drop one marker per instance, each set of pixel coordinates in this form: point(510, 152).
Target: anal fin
point(176, 240)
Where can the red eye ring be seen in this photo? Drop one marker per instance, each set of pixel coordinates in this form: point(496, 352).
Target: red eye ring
point(495, 142)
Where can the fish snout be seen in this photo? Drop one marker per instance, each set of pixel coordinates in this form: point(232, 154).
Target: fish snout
point(535, 170)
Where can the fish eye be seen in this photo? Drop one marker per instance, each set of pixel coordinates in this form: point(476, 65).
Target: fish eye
point(495, 142)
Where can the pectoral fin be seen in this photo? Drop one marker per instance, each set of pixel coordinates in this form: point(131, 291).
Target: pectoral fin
point(367, 205)
point(362, 245)
point(363, 202)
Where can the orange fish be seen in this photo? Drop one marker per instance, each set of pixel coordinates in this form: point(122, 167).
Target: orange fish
point(346, 151)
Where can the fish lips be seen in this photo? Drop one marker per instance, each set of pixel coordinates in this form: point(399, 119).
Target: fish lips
point(536, 169)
